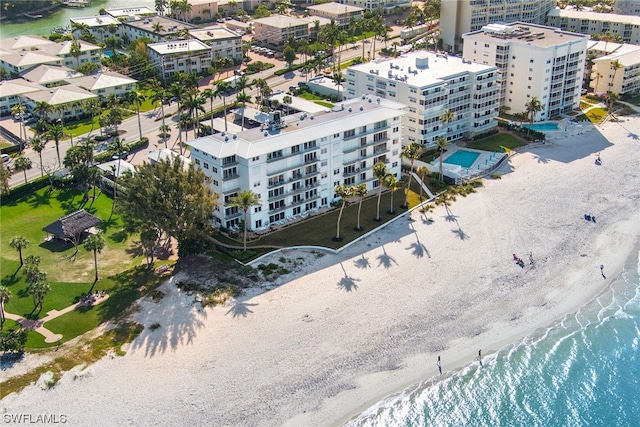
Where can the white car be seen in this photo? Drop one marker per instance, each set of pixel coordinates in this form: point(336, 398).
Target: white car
point(6, 158)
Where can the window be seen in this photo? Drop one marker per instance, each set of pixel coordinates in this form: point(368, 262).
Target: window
point(256, 184)
point(206, 165)
point(257, 209)
point(215, 182)
point(349, 133)
point(336, 171)
point(198, 162)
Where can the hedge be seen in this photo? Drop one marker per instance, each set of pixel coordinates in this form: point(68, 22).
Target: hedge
point(133, 146)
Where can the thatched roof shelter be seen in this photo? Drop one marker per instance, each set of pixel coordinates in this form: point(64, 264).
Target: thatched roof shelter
point(71, 226)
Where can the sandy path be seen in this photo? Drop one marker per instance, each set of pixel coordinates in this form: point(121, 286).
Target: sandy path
point(370, 321)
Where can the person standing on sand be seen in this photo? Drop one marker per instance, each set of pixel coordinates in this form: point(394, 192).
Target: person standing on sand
point(439, 365)
point(480, 357)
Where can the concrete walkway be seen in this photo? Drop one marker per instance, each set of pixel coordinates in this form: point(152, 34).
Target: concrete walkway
point(38, 325)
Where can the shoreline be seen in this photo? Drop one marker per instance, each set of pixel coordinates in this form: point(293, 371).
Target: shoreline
point(346, 331)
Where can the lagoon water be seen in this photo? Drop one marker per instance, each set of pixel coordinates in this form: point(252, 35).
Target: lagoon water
point(585, 370)
point(60, 17)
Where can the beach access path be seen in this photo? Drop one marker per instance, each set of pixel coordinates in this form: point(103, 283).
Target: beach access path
point(343, 331)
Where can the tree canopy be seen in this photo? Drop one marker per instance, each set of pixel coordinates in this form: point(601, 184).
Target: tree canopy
point(169, 198)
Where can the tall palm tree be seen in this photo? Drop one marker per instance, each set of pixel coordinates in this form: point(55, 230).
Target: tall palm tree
point(379, 172)
point(38, 145)
point(615, 66)
point(136, 98)
point(43, 109)
point(244, 201)
point(75, 50)
point(23, 164)
point(158, 95)
point(222, 90)
point(337, 79)
point(447, 117)
point(442, 144)
point(422, 172)
point(93, 107)
point(117, 145)
point(287, 100)
point(209, 94)
point(533, 107)
point(55, 131)
point(360, 191)
point(38, 290)
point(243, 98)
point(5, 296)
point(177, 91)
point(411, 152)
point(19, 243)
point(94, 243)
point(193, 104)
point(392, 183)
point(345, 193)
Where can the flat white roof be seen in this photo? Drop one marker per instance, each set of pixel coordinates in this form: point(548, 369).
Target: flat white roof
point(130, 11)
point(178, 46)
point(335, 8)
point(300, 104)
point(96, 21)
point(522, 33)
point(626, 58)
point(283, 21)
point(611, 47)
point(214, 33)
point(299, 128)
point(594, 16)
point(405, 69)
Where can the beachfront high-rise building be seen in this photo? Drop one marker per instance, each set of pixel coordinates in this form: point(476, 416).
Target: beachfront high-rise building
point(294, 162)
point(618, 72)
point(429, 84)
point(462, 16)
point(625, 26)
point(534, 61)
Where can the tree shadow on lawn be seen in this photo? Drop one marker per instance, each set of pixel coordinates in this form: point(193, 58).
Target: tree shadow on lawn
point(36, 199)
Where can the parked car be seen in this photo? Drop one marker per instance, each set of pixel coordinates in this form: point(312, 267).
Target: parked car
point(24, 116)
point(6, 158)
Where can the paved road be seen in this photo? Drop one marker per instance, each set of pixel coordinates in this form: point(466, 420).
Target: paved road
point(150, 127)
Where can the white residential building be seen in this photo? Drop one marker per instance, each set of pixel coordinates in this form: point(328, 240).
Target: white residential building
point(11, 90)
point(105, 84)
point(293, 163)
point(598, 49)
point(180, 56)
point(275, 30)
point(618, 73)
point(534, 61)
point(48, 75)
point(157, 28)
point(430, 83)
point(343, 14)
point(66, 101)
point(627, 7)
point(223, 41)
point(100, 26)
point(133, 13)
point(89, 53)
point(384, 6)
point(458, 17)
point(625, 26)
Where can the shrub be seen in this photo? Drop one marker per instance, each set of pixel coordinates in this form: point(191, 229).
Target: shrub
point(496, 176)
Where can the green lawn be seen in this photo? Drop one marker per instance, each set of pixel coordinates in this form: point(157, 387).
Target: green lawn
point(635, 100)
point(68, 276)
point(324, 104)
point(596, 115)
point(495, 142)
point(310, 96)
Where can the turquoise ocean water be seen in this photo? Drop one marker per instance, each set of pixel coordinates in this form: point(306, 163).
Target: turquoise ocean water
point(582, 371)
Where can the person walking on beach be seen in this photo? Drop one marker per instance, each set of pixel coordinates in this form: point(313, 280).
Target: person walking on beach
point(439, 365)
point(531, 258)
point(602, 271)
point(480, 357)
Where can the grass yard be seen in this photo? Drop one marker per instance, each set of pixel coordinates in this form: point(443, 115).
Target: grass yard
point(324, 104)
point(596, 115)
point(310, 96)
point(495, 142)
point(119, 263)
point(634, 100)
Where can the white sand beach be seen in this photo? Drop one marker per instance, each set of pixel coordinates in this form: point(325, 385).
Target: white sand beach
point(347, 330)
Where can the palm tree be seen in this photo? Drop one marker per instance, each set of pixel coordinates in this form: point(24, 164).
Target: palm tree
point(177, 91)
point(38, 290)
point(392, 183)
point(422, 172)
point(5, 296)
point(75, 50)
point(615, 66)
point(533, 107)
point(23, 164)
point(447, 117)
point(19, 109)
point(345, 193)
point(411, 152)
point(137, 98)
point(56, 132)
point(210, 95)
point(287, 100)
point(193, 103)
point(222, 90)
point(93, 176)
point(243, 98)
point(157, 28)
point(337, 79)
point(158, 94)
point(360, 191)
point(442, 144)
point(117, 145)
point(244, 201)
point(93, 107)
point(38, 145)
point(19, 243)
point(43, 109)
point(611, 99)
point(379, 172)
point(94, 243)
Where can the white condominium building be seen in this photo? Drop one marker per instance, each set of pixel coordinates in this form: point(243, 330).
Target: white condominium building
point(625, 26)
point(429, 84)
point(534, 61)
point(627, 7)
point(180, 56)
point(462, 16)
point(294, 162)
point(618, 72)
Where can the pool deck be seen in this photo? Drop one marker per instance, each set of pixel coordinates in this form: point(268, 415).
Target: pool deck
point(486, 160)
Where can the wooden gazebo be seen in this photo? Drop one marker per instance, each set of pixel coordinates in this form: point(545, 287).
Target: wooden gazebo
point(71, 227)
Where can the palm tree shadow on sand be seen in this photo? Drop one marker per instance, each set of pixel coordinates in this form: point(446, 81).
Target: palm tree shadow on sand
point(450, 217)
point(362, 262)
point(241, 309)
point(385, 260)
point(417, 248)
point(347, 282)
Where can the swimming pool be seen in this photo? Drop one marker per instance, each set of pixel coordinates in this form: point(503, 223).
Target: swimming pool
point(542, 126)
point(462, 158)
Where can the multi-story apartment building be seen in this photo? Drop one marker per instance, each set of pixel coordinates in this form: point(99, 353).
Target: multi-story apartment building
point(293, 163)
point(429, 84)
point(275, 30)
point(132, 13)
point(50, 75)
point(534, 61)
point(157, 28)
point(223, 41)
point(99, 26)
point(179, 56)
point(384, 6)
point(105, 84)
point(11, 90)
point(627, 7)
point(625, 26)
point(598, 49)
point(342, 14)
point(89, 53)
point(618, 72)
point(462, 16)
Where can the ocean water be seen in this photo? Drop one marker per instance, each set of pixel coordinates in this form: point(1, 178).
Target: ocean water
point(582, 371)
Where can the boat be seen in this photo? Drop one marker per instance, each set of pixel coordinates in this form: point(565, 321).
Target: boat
point(75, 3)
point(32, 15)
